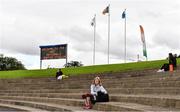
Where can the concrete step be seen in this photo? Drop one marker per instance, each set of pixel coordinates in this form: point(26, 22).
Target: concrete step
point(48, 95)
point(108, 106)
point(69, 102)
point(84, 86)
point(137, 73)
point(42, 81)
point(7, 107)
point(148, 90)
point(39, 106)
point(131, 77)
point(105, 81)
point(153, 100)
point(90, 76)
point(168, 101)
point(133, 74)
point(114, 77)
point(66, 95)
point(140, 107)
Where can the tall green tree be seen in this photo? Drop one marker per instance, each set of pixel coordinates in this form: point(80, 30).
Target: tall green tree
point(10, 63)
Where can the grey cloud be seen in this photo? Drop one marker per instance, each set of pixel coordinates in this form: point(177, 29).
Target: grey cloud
point(117, 46)
point(81, 38)
point(167, 39)
point(26, 34)
point(80, 34)
point(27, 24)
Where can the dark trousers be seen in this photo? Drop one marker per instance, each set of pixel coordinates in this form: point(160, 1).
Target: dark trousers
point(84, 96)
point(165, 67)
point(101, 97)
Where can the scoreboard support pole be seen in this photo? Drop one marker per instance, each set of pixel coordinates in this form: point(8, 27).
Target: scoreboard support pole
point(40, 59)
point(40, 64)
point(66, 62)
point(66, 54)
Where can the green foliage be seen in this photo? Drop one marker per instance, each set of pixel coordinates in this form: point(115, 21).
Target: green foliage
point(114, 67)
point(86, 69)
point(10, 63)
point(73, 64)
point(27, 73)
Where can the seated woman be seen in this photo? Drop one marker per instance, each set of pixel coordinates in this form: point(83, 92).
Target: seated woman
point(98, 94)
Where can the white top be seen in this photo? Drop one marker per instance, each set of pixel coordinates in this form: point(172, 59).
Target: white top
point(95, 89)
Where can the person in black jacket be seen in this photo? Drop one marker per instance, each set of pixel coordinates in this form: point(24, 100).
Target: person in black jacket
point(171, 58)
point(59, 74)
point(174, 61)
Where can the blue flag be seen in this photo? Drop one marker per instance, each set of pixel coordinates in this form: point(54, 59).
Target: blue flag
point(124, 14)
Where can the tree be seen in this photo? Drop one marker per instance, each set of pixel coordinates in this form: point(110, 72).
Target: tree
point(10, 63)
point(179, 56)
point(73, 64)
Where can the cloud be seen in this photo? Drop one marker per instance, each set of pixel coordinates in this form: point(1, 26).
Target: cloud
point(24, 35)
point(167, 38)
point(27, 24)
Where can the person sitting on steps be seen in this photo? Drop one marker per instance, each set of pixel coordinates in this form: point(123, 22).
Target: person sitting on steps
point(59, 75)
point(172, 61)
point(98, 94)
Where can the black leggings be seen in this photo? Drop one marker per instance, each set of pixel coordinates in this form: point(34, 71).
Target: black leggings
point(102, 97)
point(165, 67)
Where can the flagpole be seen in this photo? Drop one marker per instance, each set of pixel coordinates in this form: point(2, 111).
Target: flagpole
point(146, 53)
point(125, 38)
point(146, 50)
point(108, 32)
point(94, 39)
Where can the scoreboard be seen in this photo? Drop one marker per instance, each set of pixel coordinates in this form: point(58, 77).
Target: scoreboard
point(53, 52)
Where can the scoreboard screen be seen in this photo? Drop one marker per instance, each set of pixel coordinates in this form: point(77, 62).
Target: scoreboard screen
point(54, 52)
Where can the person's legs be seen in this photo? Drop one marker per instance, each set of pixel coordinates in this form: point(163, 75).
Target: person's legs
point(59, 78)
point(166, 67)
point(64, 76)
point(102, 97)
point(87, 101)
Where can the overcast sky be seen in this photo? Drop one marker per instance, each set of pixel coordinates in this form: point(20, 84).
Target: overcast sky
point(27, 24)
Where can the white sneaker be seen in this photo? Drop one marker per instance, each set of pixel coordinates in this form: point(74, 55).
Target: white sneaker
point(160, 70)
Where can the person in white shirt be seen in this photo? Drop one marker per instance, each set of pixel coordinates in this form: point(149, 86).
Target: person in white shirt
point(98, 94)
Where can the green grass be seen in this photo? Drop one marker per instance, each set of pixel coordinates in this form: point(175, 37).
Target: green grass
point(85, 70)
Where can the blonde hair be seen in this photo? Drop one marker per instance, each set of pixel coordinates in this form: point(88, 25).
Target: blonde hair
point(99, 81)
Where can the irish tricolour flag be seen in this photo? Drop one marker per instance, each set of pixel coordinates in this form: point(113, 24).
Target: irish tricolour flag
point(143, 41)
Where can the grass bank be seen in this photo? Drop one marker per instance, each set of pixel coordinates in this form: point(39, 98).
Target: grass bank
point(85, 70)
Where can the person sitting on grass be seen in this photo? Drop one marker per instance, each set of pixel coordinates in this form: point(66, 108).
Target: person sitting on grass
point(98, 94)
point(59, 75)
point(172, 61)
